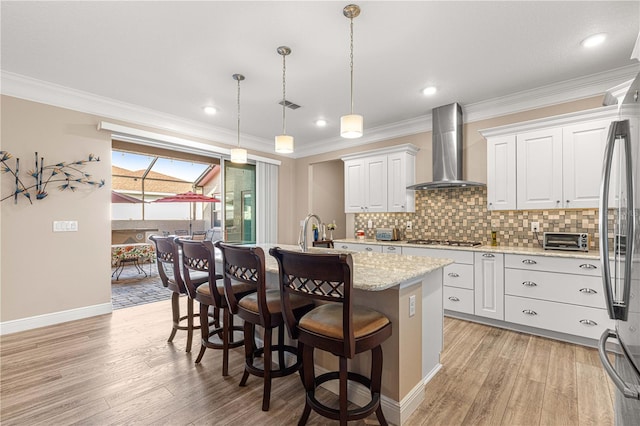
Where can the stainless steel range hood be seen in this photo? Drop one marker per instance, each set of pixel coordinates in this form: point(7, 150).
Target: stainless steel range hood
point(447, 150)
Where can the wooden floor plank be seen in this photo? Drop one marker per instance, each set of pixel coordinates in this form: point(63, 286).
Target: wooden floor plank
point(119, 369)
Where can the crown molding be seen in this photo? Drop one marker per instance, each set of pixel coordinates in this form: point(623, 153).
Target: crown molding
point(35, 90)
point(44, 92)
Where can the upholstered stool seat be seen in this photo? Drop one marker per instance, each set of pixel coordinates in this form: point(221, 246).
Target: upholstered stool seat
point(336, 326)
point(246, 265)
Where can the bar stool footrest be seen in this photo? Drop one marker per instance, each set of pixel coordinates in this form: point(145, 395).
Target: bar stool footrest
point(352, 414)
point(279, 372)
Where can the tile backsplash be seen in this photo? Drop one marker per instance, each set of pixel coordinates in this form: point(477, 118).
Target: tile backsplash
point(461, 214)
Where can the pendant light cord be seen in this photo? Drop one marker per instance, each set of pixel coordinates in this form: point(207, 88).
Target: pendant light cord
point(238, 113)
point(284, 102)
point(351, 61)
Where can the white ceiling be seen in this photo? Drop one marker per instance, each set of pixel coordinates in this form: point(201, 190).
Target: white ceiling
point(173, 58)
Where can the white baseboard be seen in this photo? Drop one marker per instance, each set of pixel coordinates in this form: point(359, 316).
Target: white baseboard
point(23, 324)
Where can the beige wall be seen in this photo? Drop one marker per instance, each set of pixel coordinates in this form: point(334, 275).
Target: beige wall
point(71, 270)
point(326, 182)
point(43, 272)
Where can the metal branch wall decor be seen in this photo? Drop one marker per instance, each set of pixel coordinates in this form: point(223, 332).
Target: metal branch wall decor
point(69, 176)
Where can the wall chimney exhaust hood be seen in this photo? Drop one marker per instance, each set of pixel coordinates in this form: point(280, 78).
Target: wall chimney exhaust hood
point(447, 150)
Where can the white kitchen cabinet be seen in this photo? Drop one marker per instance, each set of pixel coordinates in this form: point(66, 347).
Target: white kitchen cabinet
point(501, 173)
point(582, 155)
point(375, 248)
point(458, 277)
point(401, 173)
point(539, 169)
point(555, 162)
point(376, 181)
point(557, 294)
point(489, 285)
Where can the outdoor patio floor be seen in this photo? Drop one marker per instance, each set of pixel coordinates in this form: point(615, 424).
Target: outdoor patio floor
point(133, 288)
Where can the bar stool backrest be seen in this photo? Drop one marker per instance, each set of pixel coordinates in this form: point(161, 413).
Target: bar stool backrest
point(168, 263)
point(322, 277)
point(198, 256)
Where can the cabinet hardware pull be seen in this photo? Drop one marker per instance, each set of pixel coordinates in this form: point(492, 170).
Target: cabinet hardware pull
point(529, 312)
point(588, 266)
point(454, 299)
point(588, 322)
point(391, 248)
point(529, 284)
point(488, 255)
point(529, 262)
point(368, 249)
point(345, 247)
point(453, 275)
point(587, 291)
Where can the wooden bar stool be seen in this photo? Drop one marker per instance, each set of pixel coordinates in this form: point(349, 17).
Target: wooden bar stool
point(338, 327)
point(263, 308)
point(169, 270)
point(197, 257)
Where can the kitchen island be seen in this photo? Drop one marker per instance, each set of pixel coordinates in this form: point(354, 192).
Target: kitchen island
point(408, 290)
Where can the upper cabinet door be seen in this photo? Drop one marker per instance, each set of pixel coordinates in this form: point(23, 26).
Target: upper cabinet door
point(376, 183)
point(582, 153)
point(354, 192)
point(539, 169)
point(401, 173)
point(501, 173)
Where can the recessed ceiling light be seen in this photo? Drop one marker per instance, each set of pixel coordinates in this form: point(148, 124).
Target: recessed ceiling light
point(321, 122)
point(428, 91)
point(594, 40)
point(209, 110)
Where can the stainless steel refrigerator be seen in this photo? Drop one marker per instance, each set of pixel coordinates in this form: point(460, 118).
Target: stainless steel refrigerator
point(620, 255)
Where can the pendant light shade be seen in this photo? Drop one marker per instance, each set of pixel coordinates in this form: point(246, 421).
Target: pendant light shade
point(284, 142)
point(351, 125)
point(238, 155)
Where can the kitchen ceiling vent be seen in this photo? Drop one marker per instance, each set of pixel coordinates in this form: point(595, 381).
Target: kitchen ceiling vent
point(288, 104)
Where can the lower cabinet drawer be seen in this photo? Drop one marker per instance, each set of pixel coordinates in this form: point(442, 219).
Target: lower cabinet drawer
point(458, 299)
point(571, 319)
point(459, 275)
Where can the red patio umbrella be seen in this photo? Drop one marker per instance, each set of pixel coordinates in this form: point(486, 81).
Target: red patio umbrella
point(187, 197)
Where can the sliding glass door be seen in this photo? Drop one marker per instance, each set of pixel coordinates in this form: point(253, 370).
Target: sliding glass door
point(240, 202)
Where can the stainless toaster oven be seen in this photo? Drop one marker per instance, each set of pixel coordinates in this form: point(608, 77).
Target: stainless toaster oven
point(573, 241)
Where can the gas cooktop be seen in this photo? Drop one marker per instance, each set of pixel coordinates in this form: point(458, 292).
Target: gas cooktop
point(446, 243)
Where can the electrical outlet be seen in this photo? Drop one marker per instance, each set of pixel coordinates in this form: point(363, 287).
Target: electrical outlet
point(495, 223)
point(370, 224)
point(409, 225)
point(535, 226)
point(412, 305)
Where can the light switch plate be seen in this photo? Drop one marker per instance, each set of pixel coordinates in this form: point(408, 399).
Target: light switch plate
point(412, 305)
point(65, 226)
point(409, 225)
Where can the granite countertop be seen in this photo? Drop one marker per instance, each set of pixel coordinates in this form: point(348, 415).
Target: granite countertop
point(534, 251)
point(372, 271)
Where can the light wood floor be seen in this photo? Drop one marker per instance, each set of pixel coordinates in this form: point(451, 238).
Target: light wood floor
point(118, 369)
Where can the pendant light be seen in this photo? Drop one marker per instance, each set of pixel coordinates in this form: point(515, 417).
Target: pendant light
point(238, 155)
point(284, 142)
point(351, 125)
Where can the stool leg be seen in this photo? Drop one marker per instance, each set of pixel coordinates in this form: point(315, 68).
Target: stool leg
point(226, 331)
point(249, 350)
point(189, 323)
point(309, 385)
point(343, 391)
point(266, 395)
point(175, 312)
point(376, 380)
point(281, 361)
point(204, 329)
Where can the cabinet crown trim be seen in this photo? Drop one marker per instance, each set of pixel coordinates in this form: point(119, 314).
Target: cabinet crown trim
point(603, 113)
point(407, 147)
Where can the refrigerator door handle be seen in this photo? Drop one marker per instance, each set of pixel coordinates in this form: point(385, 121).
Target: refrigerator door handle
point(603, 219)
point(616, 310)
point(629, 391)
